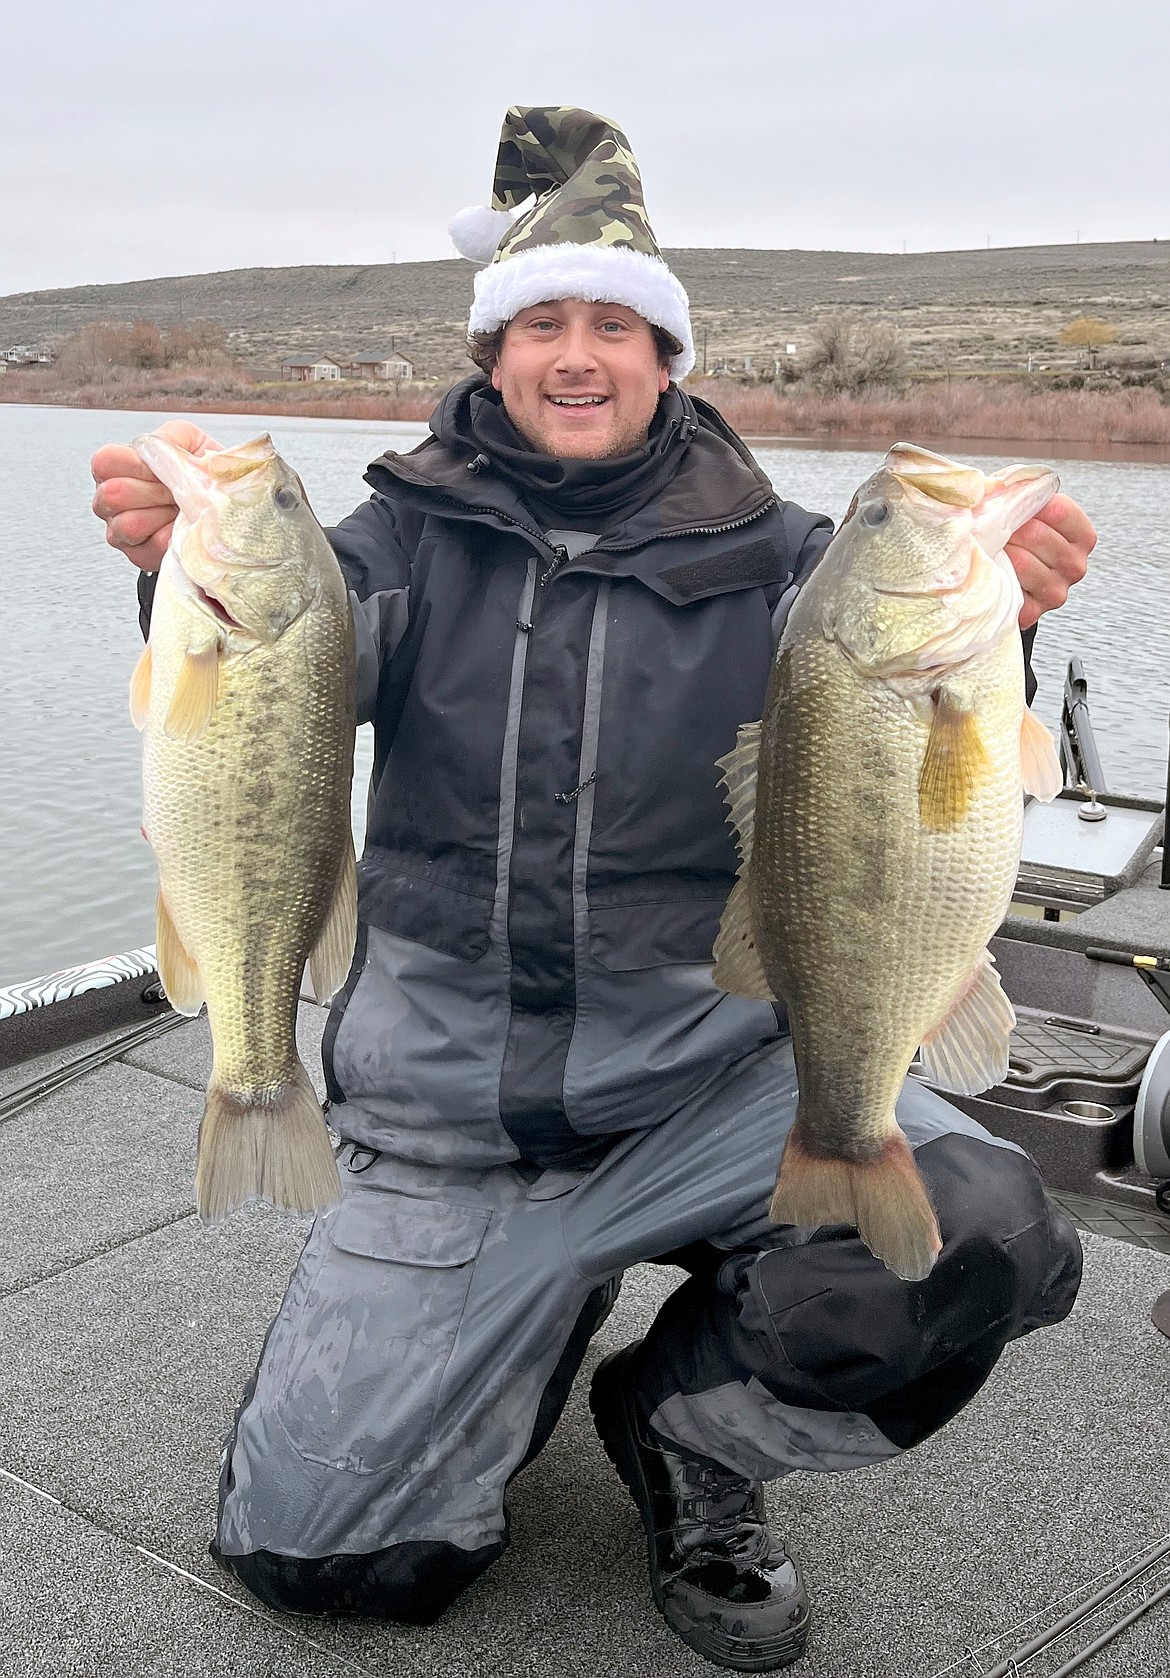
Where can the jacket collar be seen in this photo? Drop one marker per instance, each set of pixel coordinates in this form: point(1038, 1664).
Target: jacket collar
point(717, 485)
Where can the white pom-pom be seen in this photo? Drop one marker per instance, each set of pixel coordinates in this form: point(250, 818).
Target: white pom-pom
point(476, 231)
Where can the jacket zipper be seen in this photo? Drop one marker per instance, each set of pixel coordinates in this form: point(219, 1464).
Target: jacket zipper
point(695, 529)
point(560, 555)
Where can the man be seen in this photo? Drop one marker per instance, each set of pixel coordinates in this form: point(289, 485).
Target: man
point(566, 601)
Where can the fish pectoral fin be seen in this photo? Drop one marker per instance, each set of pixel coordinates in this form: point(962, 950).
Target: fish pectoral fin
point(884, 1199)
point(967, 1052)
point(955, 765)
point(178, 972)
point(738, 967)
point(195, 693)
point(140, 690)
point(739, 777)
point(1039, 762)
point(331, 955)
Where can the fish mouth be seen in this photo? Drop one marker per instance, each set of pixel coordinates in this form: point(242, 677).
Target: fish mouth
point(199, 484)
point(215, 606)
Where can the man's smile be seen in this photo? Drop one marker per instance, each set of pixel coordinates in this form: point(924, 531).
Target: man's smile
point(578, 401)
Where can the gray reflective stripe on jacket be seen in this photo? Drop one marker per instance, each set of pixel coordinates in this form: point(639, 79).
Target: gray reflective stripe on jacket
point(547, 848)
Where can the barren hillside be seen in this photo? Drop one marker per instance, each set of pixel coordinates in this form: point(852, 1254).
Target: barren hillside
point(959, 310)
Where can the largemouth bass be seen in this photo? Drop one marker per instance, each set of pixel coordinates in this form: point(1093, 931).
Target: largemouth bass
point(879, 810)
point(245, 693)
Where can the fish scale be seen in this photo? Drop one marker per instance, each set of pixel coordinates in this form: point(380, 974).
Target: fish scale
point(267, 895)
point(247, 763)
point(863, 915)
point(879, 810)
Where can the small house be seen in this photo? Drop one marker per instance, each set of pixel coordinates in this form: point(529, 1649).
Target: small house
point(27, 355)
point(381, 364)
point(308, 367)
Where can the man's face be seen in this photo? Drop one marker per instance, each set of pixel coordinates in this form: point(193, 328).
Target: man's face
point(580, 380)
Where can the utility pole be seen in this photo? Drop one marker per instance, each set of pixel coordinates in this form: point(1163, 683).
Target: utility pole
point(704, 352)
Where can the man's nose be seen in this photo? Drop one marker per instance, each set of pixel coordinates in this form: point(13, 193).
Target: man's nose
point(577, 352)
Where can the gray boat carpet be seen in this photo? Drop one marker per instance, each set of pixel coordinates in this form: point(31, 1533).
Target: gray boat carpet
point(129, 1330)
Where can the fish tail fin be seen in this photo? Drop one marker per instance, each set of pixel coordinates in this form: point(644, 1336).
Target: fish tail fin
point(884, 1198)
point(276, 1150)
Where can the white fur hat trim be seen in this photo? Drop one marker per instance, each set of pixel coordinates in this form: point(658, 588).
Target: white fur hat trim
point(595, 273)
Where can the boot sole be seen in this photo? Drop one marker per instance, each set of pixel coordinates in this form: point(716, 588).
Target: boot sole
point(613, 1418)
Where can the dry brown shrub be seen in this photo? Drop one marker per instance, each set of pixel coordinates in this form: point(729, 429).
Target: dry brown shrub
point(198, 344)
point(82, 384)
point(974, 408)
point(104, 352)
point(848, 356)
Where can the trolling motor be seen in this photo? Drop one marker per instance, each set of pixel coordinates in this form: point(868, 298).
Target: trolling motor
point(1151, 1114)
point(1081, 763)
point(1151, 1120)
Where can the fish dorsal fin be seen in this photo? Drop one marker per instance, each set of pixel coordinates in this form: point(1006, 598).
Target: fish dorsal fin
point(955, 765)
point(967, 1052)
point(333, 951)
point(738, 968)
point(739, 777)
point(140, 690)
point(178, 972)
point(195, 693)
point(1039, 764)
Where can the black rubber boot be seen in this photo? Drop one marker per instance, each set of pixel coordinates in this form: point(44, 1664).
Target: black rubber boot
point(721, 1581)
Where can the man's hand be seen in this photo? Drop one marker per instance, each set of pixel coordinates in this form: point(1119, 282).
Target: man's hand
point(1050, 554)
point(137, 508)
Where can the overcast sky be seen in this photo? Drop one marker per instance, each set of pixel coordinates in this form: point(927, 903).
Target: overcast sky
point(141, 139)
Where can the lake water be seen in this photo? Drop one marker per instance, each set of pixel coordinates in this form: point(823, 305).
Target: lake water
point(77, 880)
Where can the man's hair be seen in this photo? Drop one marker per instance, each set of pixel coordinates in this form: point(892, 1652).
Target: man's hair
point(484, 347)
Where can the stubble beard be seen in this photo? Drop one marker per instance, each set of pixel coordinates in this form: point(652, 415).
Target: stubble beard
point(628, 441)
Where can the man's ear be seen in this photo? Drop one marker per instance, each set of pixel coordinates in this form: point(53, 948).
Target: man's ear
point(663, 378)
point(495, 375)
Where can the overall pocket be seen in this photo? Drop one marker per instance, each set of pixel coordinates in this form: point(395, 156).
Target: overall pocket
point(627, 936)
point(451, 914)
point(359, 1364)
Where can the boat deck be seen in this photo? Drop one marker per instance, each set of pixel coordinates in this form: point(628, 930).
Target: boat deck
point(129, 1331)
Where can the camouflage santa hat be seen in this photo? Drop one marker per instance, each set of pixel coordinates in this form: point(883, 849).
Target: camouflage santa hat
point(587, 234)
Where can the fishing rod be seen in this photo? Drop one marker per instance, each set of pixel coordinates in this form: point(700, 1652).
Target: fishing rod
point(1091, 1649)
point(25, 1095)
point(1009, 1667)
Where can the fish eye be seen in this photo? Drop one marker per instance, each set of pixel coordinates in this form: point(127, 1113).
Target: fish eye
point(875, 513)
point(286, 499)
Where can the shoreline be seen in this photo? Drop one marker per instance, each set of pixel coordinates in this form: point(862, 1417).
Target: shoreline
point(1052, 448)
point(867, 425)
